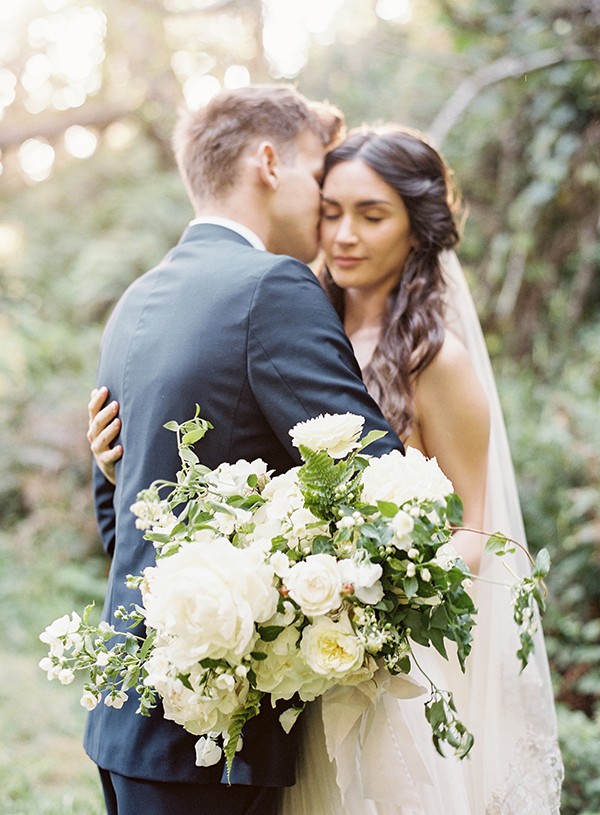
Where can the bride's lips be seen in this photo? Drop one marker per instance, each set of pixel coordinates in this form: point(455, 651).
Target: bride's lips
point(346, 262)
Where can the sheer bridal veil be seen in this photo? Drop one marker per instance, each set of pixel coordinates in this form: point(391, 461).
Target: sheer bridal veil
point(516, 767)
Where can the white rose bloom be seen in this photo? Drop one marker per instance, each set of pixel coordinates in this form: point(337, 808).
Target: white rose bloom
point(206, 598)
point(400, 478)
point(331, 648)
point(315, 584)
point(232, 479)
point(285, 672)
point(283, 496)
point(337, 433)
point(280, 563)
point(364, 576)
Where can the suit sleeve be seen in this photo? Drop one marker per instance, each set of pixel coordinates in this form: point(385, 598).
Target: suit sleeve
point(300, 361)
point(105, 512)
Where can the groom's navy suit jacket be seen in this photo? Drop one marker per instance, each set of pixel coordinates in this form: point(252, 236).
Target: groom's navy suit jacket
point(251, 338)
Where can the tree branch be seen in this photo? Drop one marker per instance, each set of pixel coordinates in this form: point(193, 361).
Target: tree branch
point(51, 126)
point(158, 7)
point(508, 67)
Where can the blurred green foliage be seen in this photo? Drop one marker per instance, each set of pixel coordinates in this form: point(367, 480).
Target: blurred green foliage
point(525, 147)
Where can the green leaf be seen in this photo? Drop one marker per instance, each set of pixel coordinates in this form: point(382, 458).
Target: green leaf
point(496, 544)
point(322, 545)
point(410, 586)
point(192, 436)
point(371, 436)
point(387, 508)
point(454, 509)
point(542, 564)
point(171, 426)
point(269, 633)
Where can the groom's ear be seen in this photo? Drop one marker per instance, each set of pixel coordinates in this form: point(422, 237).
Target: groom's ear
point(268, 164)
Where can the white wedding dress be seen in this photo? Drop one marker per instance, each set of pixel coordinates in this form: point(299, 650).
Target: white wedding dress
point(377, 758)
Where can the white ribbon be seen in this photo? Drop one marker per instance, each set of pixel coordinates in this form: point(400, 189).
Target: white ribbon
point(366, 734)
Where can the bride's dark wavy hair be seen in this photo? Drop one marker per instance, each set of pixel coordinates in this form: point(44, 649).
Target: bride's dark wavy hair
point(413, 326)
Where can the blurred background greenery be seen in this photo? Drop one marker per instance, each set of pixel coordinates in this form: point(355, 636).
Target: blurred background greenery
point(89, 199)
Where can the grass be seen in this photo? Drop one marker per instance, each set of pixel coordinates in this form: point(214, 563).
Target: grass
point(43, 767)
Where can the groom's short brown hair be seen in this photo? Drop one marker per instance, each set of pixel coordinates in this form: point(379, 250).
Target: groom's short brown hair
point(209, 142)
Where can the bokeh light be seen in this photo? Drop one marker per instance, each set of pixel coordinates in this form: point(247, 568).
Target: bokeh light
point(80, 142)
point(36, 158)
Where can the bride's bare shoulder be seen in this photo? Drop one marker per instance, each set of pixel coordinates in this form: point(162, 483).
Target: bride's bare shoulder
point(451, 360)
point(450, 380)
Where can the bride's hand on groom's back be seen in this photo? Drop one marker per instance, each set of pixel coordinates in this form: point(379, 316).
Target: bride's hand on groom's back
point(103, 428)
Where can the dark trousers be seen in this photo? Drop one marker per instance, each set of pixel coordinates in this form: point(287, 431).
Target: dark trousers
point(136, 796)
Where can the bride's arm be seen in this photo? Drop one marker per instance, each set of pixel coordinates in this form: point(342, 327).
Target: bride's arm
point(103, 428)
point(453, 421)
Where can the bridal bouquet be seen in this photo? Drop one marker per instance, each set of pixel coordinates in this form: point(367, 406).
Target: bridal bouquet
point(284, 587)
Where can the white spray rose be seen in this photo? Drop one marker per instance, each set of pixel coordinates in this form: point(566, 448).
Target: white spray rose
point(315, 584)
point(364, 577)
point(232, 479)
point(337, 433)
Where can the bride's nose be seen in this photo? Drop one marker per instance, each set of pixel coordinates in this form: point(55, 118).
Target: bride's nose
point(346, 232)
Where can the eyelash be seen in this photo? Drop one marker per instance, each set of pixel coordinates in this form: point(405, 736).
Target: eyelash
point(375, 219)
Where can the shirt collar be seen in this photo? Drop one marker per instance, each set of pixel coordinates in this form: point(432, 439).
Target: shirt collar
point(242, 230)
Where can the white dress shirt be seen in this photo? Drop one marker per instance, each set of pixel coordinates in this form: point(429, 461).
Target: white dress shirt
point(242, 230)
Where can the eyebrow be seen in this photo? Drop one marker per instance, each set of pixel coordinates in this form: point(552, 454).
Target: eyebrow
point(368, 202)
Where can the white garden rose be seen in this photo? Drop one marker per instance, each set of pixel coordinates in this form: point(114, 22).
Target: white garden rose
point(285, 672)
point(207, 598)
point(315, 584)
point(399, 478)
point(331, 648)
point(364, 577)
point(337, 433)
point(232, 479)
